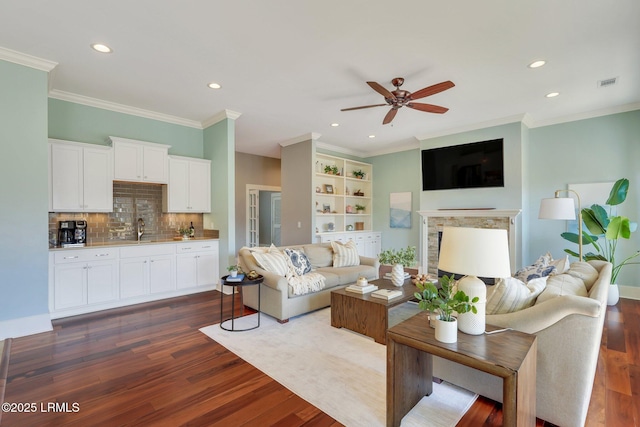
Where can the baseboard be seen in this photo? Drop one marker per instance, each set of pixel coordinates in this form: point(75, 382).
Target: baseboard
point(630, 292)
point(23, 326)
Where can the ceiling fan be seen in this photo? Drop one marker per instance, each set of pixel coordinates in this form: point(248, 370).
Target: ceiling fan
point(401, 98)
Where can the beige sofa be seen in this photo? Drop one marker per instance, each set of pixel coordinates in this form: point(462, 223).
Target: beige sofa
point(277, 298)
point(569, 330)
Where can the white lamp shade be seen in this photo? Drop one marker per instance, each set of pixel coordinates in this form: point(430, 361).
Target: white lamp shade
point(557, 208)
point(482, 252)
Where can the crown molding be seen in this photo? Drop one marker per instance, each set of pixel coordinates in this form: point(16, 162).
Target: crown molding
point(313, 136)
point(342, 150)
point(120, 108)
point(222, 115)
point(475, 126)
point(396, 149)
point(586, 115)
point(27, 60)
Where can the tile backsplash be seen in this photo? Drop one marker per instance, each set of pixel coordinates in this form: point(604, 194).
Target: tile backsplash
point(130, 202)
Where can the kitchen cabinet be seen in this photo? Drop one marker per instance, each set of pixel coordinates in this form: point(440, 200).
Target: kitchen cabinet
point(197, 264)
point(84, 277)
point(140, 161)
point(80, 177)
point(189, 188)
point(147, 269)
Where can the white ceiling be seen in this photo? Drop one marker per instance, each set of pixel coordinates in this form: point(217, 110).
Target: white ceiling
point(289, 66)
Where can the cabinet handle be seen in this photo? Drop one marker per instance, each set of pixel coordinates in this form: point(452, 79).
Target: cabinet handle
point(102, 254)
point(70, 257)
point(184, 249)
point(145, 261)
point(145, 177)
point(206, 247)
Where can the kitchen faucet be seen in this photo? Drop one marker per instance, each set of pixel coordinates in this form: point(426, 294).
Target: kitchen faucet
point(140, 228)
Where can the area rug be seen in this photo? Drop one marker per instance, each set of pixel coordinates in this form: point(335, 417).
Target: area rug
point(340, 372)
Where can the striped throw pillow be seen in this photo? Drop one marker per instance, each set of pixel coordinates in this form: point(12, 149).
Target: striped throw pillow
point(510, 294)
point(273, 261)
point(345, 255)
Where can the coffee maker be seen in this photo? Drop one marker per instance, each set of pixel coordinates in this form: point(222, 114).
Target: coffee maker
point(66, 233)
point(80, 233)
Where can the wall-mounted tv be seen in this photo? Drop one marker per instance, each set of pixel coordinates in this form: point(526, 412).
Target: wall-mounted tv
point(474, 165)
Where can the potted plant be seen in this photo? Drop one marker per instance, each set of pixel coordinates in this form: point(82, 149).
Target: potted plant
point(358, 174)
point(604, 223)
point(359, 208)
point(331, 170)
point(185, 232)
point(444, 301)
point(233, 270)
point(398, 259)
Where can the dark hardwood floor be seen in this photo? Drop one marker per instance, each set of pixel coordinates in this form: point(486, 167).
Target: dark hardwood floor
point(149, 365)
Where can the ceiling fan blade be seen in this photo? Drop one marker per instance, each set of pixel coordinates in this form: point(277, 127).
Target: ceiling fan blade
point(429, 108)
point(381, 90)
point(432, 90)
point(365, 106)
point(390, 115)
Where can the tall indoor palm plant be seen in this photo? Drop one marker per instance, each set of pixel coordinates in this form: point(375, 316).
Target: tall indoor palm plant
point(603, 222)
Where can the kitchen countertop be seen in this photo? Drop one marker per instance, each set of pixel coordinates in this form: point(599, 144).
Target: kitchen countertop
point(133, 243)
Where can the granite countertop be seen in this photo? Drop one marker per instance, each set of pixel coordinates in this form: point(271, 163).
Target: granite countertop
point(133, 242)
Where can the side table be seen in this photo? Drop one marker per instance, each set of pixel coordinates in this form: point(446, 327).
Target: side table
point(235, 285)
point(510, 355)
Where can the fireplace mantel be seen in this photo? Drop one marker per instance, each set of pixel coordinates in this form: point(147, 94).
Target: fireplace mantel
point(434, 220)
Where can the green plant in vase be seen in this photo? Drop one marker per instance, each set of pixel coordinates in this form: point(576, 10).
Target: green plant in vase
point(398, 259)
point(332, 170)
point(359, 208)
point(444, 301)
point(358, 173)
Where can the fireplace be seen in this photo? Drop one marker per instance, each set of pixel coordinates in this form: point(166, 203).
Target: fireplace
point(434, 221)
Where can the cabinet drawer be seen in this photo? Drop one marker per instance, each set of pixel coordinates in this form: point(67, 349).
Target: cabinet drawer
point(147, 250)
point(84, 255)
point(196, 246)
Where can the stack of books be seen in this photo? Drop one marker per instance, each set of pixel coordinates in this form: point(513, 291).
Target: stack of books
point(387, 294)
point(238, 278)
point(361, 289)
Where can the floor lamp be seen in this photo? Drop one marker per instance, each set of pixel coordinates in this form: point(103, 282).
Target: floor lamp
point(563, 208)
point(474, 252)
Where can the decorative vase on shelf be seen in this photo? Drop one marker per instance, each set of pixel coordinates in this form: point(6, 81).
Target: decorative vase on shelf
point(397, 274)
point(614, 294)
point(447, 331)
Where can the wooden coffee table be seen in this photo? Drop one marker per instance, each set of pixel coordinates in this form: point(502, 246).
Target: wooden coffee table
point(365, 314)
point(510, 355)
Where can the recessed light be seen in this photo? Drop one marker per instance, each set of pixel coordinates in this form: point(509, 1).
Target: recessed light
point(537, 64)
point(552, 94)
point(213, 85)
point(372, 136)
point(335, 125)
point(102, 48)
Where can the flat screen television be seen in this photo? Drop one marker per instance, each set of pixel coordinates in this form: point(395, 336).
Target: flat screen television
point(474, 165)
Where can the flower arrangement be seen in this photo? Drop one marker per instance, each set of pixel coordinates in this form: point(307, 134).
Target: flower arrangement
point(185, 231)
point(406, 257)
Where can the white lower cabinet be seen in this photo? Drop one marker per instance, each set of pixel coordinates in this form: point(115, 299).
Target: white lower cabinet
point(87, 280)
point(368, 244)
point(197, 264)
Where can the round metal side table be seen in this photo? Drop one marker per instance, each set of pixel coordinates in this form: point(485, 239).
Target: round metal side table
point(238, 285)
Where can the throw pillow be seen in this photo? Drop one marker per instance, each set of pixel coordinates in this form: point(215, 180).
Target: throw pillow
point(584, 271)
point(345, 255)
point(273, 261)
point(320, 255)
point(561, 265)
point(562, 284)
point(510, 294)
point(540, 268)
point(299, 261)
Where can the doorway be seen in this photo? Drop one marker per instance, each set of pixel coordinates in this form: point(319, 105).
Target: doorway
point(263, 215)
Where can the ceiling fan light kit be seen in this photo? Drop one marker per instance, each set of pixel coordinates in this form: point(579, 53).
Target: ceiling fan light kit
point(399, 98)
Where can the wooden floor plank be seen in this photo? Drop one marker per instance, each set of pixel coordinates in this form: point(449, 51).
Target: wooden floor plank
point(150, 365)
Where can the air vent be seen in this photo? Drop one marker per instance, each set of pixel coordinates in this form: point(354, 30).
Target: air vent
point(607, 82)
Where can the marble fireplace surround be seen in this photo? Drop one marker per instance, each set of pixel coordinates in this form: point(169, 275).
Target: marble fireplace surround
point(433, 221)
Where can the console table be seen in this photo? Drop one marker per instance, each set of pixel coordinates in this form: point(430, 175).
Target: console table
point(511, 355)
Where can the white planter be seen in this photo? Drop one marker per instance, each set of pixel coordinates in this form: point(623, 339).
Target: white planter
point(234, 273)
point(447, 332)
point(614, 294)
point(397, 275)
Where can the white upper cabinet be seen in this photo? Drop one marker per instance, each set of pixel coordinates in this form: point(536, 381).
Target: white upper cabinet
point(80, 177)
point(140, 161)
point(189, 188)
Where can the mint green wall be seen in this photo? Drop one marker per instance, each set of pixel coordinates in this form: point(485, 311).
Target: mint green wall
point(395, 173)
point(76, 122)
point(594, 150)
point(23, 192)
point(219, 147)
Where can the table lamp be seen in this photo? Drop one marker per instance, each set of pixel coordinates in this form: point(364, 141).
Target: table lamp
point(474, 252)
point(563, 208)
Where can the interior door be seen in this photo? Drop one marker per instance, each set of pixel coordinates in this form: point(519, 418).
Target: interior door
point(253, 220)
point(276, 198)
